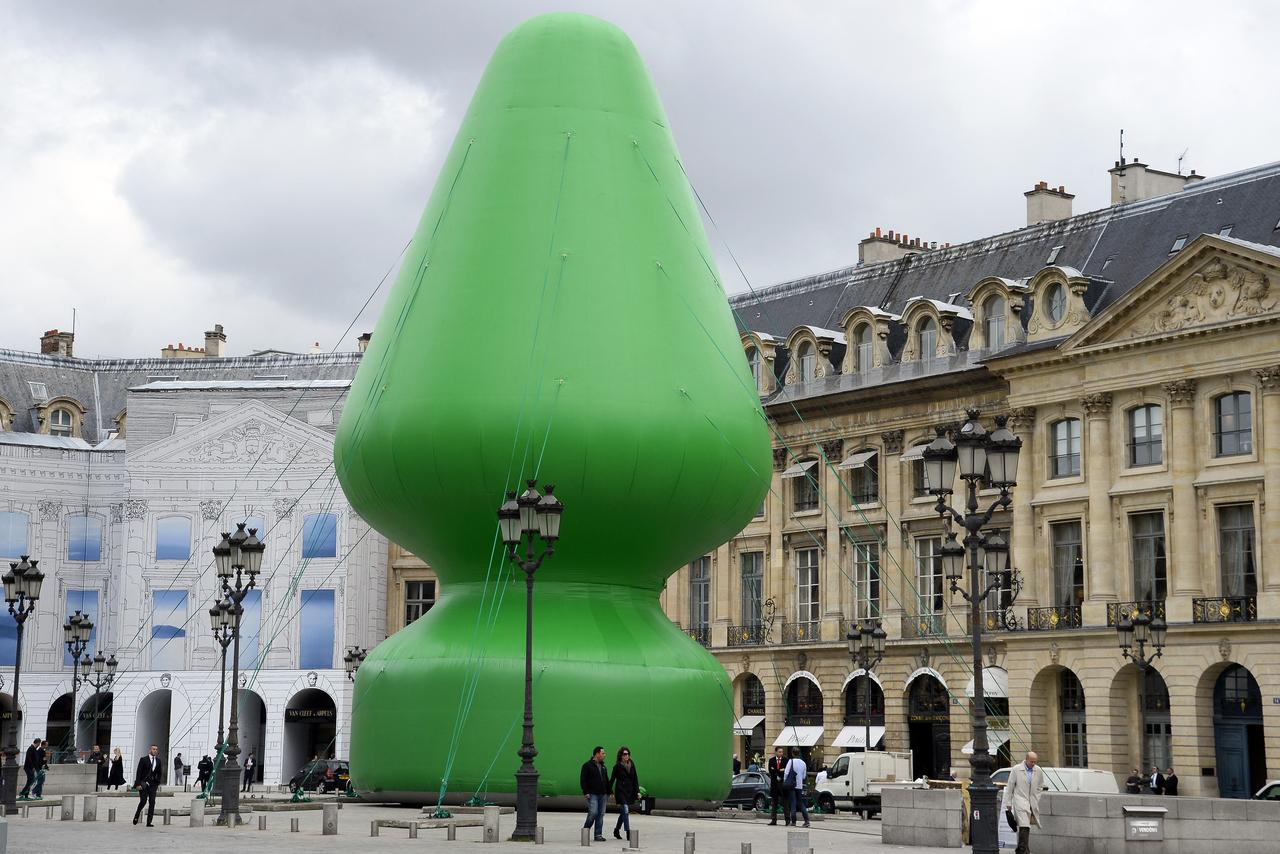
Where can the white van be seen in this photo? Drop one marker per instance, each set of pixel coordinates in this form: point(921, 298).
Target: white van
point(1081, 780)
point(856, 780)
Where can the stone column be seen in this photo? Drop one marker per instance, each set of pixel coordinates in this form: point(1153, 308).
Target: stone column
point(1269, 443)
point(1181, 450)
point(894, 560)
point(1100, 562)
point(1022, 422)
point(833, 566)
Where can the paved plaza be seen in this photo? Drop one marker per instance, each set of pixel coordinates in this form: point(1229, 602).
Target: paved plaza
point(35, 833)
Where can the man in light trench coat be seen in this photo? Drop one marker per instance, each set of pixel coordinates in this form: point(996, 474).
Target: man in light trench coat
point(1022, 799)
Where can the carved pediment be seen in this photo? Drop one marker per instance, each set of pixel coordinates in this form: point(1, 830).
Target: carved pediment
point(255, 432)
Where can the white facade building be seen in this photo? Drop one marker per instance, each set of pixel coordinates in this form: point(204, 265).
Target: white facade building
point(119, 477)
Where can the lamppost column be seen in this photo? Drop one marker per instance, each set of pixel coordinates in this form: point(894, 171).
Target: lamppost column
point(231, 769)
point(9, 776)
point(1180, 450)
point(1101, 583)
point(982, 794)
point(527, 776)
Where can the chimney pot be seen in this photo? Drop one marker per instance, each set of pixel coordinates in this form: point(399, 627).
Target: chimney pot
point(877, 231)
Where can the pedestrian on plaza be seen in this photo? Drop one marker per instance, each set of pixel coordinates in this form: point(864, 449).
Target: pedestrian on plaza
point(115, 779)
point(147, 782)
point(737, 765)
point(793, 777)
point(1170, 783)
point(30, 764)
point(1155, 781)
point(1133, 786)
point(177, 769)
point(1022, 799)
point(821, 776)
point(777, 763)
point(626, 788)
point(42, 769)
point(249, 767)
point(595, 787)
point(205, 769)
point(99, 762)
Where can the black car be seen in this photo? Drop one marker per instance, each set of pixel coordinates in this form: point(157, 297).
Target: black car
point(750, 789)
point(326, 775)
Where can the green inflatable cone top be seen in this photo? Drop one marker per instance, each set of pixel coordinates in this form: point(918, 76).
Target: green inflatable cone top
point(557, 316)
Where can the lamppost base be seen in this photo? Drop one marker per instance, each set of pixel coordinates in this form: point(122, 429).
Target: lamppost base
point(9, 784)
point(984, 821)
point(519, 836)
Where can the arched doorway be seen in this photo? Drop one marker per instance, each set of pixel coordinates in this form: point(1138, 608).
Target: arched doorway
point(803, 730)
point(8, 718)
point(57, 728)
point(1157, 730)
point(859, 716)
point(310, 719)
point(929, 726)
point(94, 723)
point(252, 721)
point(152, 727)
point(749, 729)
point(1237, 733)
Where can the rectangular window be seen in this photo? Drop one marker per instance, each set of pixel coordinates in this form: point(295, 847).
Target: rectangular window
point(250, 630)
point(13, 534)
point(1146, 436)
point(316, 630)
point(807, 599)
point(805, 489)
point(866, 580)
point(1074, 745)
point(1157, 745)
point(419, 596)
point(752, 588)
point(1236, 556)
point(1065, 461)
point(169, 630)
point(319, 536)
point(929, 579)
point(1150, 578)
point(1068, 564)
point(173, 538)
point(700, 593)
point(865, 481)
point(86, 602)
point(1233, 424)
point(84, 538)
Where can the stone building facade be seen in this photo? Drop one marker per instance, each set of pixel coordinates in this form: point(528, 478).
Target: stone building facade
point(1136, 353)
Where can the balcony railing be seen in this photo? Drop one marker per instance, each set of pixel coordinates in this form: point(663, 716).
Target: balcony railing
point(1053, 619)
point(747, 635)
point(801, 632)
point(996, 621)
point(701, 634)
point(1118, 610)
point(922, 625)
point(1224, 609)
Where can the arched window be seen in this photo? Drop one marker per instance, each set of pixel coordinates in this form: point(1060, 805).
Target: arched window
point(862, 357)
point(855, 701)
point(1075, 748)
point(173, 538)
point(1157, 729)
point(1064, 448)
point(1055, 303)
point(808, 360)
point(928, 331)
point(752, 695)
point(61, 422)
point(1146, 435)
point(1233, 424)
point(753, 362)
point(993, 319)
point(319, 536)
point(804, 703)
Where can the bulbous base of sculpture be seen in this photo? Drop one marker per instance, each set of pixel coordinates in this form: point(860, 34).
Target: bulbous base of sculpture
point(439, 705)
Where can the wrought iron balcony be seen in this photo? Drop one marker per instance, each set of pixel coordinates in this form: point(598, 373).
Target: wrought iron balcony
point(801, 632)
point(701, 634)
point(1224, 609)
point(1054, 619)
point(1118, 610)
point(747, 635)
point(996, 621)
point(923, 625)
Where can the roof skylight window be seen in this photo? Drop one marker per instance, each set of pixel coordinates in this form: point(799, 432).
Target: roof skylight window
point(1180, 242)
point(39, 391)
point(1053, 255)
point(1225, 231)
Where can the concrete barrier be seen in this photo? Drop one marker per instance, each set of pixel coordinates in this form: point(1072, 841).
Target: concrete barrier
point(797, 842)
point(925, 817)
point(90, 808)
point(330, 814)
point(70, 779)
point(491, 818)
point(69, 808)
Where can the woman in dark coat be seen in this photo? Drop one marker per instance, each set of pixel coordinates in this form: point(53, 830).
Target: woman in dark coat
point(116, 778)
point(626, 788)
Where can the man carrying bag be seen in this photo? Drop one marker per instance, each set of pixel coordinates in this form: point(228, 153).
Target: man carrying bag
point(1022, 799)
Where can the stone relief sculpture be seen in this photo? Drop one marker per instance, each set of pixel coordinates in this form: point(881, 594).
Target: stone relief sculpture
point(1214, 294)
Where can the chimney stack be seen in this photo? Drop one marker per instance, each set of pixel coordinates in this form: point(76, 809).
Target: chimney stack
point(215, 342)
point(55, 343)
point(1047, 204)
point(363, 341)
point(1133, 181)
point(889, 245)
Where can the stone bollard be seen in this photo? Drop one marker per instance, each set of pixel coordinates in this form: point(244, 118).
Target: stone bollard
point(413, 830)
point(48, 813)
point(330, 812)
point(586, 837)
point(491, 816)
point(537, 836)
point(164, 813)
point(197, 813)
point(111, 814)
point(68, 808)
point(26, 812)
point(451, 832)
point(746, 848)
point(633, 839)
point(797, 842)
point(373, 827)
point(90, 808)
point(293, 825)
point(688, 843)
point(262, 822)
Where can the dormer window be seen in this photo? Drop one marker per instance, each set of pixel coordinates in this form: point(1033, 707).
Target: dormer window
point(808, 359)
point(61, 423)
point(993, 319)
point(928, 339)
point(1056, 302)
point(862, 349)
point(753, 362)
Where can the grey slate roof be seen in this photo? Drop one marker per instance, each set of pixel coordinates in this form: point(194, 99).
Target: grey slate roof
point(1135, 238)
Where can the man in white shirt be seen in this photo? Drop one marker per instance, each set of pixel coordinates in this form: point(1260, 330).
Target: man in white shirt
point(793, 777)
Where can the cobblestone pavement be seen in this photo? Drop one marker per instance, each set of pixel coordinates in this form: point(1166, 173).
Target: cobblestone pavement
point(657, 833)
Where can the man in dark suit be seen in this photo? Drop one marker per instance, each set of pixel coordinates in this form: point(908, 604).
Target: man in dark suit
point(147, 781)
point(1156, 780)
point(777, 768)
point(30, 764)
point(1170, 783)
point(595, 786)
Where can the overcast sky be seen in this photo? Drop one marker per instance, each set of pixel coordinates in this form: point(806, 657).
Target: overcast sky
point(168, 165)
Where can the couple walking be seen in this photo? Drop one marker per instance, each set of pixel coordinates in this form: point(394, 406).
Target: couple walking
point(597, 783)
point(786, 784)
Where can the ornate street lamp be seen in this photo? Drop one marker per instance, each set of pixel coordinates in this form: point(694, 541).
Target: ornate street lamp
point(220, 622)
point(527, 519)
point(992, 458)
point(353, 659)
point(237, 560)
point(21, 590)
point(1143, 630)
point(866, 646)
point(75, 637)
point(98, 672)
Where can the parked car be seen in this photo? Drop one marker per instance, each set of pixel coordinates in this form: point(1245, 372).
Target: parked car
point(856, 780)
point(1269, 792)
point(750, 789)
point(326, 775)
point(1088, 780)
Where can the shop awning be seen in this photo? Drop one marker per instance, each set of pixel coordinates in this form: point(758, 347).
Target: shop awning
point(856, 736)
point(858, 460)
point(910, 455)
point(995, 683)
point(746, 724)
point(995, 738)
point(798, 736)
point(800, 469)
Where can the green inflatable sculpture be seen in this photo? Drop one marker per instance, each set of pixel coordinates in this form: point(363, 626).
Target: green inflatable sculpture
point(557, 316)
